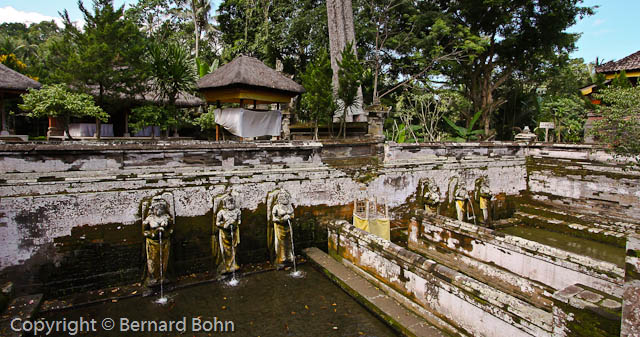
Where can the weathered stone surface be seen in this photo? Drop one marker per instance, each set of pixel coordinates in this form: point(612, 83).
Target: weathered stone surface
point(631, 300)
point(437, 288)
point(590, 296)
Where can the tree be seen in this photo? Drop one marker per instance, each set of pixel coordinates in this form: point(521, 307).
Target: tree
point(568, 113)
point(428, 108)
point(149, 115)
point(173, 71)
point(521, 36)
point(318, 101)
point(57, 101)
point(465, 134)
point(349, 80)
point(105, 56)
point(199, 12)
point(620, 124)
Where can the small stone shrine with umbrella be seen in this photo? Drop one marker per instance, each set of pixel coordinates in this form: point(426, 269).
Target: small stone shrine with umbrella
point(248, 82)
point(12, 84)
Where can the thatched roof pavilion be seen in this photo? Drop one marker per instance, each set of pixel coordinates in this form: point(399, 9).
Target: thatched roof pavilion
point(12, 83)
point(248, 80)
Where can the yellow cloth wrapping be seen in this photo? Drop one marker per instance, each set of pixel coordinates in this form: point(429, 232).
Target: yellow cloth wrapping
point(460, 204)
point(153, 259)
point(379, 227)
point(361, 223)
point(484, 202)
point(282, 243)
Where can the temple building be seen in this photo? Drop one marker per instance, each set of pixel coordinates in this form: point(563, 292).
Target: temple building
point(630, 65)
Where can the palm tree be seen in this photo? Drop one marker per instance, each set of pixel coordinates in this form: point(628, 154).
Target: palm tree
point(198, 12)
point(172, 71)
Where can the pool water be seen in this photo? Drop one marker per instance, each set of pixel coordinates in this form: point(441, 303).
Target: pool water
point(265, 304)
point(596, 250)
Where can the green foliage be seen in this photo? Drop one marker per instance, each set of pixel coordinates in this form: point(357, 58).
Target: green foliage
point(568, 114)
point(522, 38)
point(149, 115)
point(423, 111)
point(620, 124)
point(207, 121)
point(105, 56)
point(463, 134)
point(318, 104)
point(30, 44)
point(204, 68)
point(350, 77)
point(172, 70)
point(621, 81)
point(57, 101)
point(293, 31)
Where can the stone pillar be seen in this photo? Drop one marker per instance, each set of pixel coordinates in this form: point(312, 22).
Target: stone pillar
point(376, 118)
point(631, 297)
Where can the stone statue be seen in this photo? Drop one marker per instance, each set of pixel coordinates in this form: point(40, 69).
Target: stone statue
point(461, 196)
point(279, 214)
point(157, 228)
point(228, 227)
point(484, 196)
point(431, 196)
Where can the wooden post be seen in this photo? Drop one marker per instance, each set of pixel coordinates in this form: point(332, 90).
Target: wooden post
point(218, 126)
point(4, 130)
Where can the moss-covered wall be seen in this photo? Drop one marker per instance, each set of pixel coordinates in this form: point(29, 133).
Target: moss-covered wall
point(70, 213)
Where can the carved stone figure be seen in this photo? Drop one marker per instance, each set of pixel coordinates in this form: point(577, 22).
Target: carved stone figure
point(462, 197)
point(431, 196)
point(279, 214)
point(484, 196)
point(228, 226)
point(157, 228)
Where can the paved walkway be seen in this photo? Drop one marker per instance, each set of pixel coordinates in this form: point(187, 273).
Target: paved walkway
point(400, 318)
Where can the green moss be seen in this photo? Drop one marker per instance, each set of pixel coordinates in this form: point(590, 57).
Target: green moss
point(564, 229)
point(588, 323)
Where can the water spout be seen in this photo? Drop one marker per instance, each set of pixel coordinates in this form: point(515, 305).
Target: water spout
point(295, 272)
point(162, 299)
point(234, 281)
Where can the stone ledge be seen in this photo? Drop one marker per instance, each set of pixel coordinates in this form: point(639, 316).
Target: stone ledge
point(400, 318)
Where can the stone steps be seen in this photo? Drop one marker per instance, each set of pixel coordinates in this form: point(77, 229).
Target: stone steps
point(392, 312)
point(23, 308)
point(532, 218)
point(579, 219)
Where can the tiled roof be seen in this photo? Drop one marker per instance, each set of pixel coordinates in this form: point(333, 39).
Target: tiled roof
point(631, 62)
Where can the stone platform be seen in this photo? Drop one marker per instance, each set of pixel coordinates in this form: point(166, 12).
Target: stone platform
point(388, 309)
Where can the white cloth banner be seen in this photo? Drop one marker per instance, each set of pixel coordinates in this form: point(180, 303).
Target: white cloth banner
point(89, 129)
point(250, 123)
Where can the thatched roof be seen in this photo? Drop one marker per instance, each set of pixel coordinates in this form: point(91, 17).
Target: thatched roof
point(249, 71)
point(631, 62)
point(11, 80)
point(184, 100)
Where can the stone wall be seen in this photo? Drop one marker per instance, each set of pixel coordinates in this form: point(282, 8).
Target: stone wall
point(585, 178)
point(631, 301)
point(70, 214)
point(550, 266)
point(473, 307)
